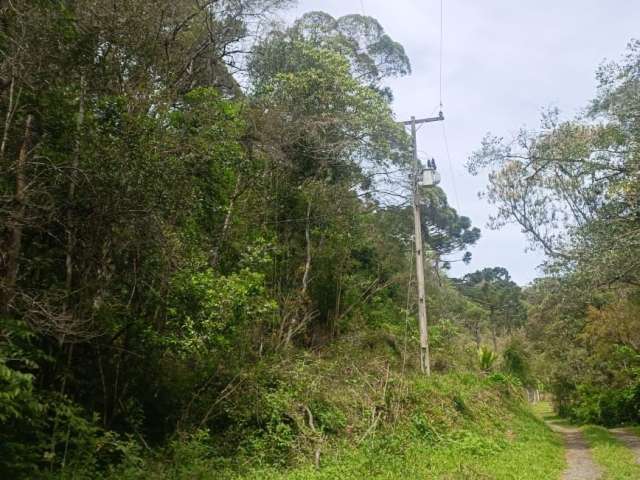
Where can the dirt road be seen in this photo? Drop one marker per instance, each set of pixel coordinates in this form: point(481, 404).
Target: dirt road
point(580, 464)
point(629, 439)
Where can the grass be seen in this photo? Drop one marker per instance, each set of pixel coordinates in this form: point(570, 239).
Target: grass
point(374, 424)
point(616, 459)
point(527, 451)
point(510, 442)
point(544, 410)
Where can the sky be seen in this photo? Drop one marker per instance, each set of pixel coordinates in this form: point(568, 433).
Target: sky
point(503, 63)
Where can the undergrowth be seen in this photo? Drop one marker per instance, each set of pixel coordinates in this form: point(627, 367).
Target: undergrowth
point(337, 416)
point(486, 441)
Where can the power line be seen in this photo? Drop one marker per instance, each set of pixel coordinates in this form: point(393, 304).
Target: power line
point(451, 171)
point(441, 45)
point(362, 8)
point(444, 128)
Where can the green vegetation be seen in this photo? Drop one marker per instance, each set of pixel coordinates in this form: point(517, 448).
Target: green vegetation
point(573, 187)
point(544, 410)
point(448, 426)
point(618, 461)
point(486, 358)
point(493, 443)
point(206, 257)
point(196, 273)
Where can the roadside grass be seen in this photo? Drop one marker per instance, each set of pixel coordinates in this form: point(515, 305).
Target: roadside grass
point(544, 410)
point(530, 450)
point(616, 459)
point(447, 426)
point(519, 447)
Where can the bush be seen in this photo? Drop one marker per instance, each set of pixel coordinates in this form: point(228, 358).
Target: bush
point(212, 310)
point(516, 362)
point(486, 358)
point(602, 404)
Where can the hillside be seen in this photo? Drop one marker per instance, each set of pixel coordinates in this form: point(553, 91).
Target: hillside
point(339, 415)
point(223, 255)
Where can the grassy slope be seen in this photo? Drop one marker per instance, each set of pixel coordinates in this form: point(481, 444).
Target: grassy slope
point(532, 452)
point(494, 437)
point(370, 421)
point(616, 459)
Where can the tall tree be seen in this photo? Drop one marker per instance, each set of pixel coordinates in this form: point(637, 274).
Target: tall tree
point(573, 189)
point(493, 289)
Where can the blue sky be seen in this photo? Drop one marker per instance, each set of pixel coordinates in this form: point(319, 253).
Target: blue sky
point(504, 62)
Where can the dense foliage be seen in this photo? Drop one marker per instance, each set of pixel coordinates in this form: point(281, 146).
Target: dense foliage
point(187, 204)
point(206, 258)
point(573, 188)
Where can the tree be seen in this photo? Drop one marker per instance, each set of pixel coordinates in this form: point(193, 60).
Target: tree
point(120, 144)
point(172, 232)
point(573, 188)
point(371, 54)
point(331, 130)
point(493, 289)
point(445, 230)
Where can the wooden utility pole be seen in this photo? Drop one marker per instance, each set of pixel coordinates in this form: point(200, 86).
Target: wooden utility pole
point(425, 363)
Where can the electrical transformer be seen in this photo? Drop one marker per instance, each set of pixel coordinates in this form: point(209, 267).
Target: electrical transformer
point(429, 178)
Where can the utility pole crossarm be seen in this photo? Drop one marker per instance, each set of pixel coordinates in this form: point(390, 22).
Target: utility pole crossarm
point(439, 118)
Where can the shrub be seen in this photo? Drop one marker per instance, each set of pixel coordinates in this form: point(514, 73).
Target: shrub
point(516, 362)
point(486, 358)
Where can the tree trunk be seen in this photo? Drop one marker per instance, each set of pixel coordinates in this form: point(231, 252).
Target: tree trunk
point(494, 333)
point(302, 316)
point(215, 255)
point(16, 221)
point(476, 332)
point(307, 266)
point(336, 315)
point(494, 337)
point(71, 193)
point(7, 120)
